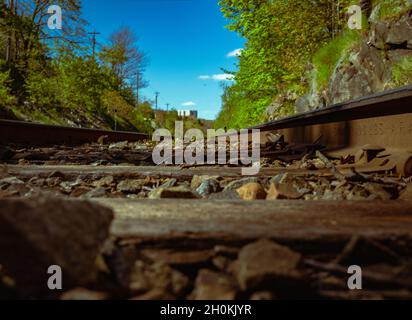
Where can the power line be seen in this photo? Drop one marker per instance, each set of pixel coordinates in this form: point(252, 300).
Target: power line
point(158, 97)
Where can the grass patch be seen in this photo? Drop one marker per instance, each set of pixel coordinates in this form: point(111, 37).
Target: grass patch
point(391, 9)
point(326, 58)
point(402, 72)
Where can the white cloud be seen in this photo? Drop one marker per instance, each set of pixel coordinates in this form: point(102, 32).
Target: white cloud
point(218, 77)
point(189, 104)
point(234, 53)
point(223, 77)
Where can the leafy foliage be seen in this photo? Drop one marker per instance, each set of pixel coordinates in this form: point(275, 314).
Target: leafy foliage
point(48, 76)
point(282, 37)
point(402, 72)
point(5, 97)
point(391, 9)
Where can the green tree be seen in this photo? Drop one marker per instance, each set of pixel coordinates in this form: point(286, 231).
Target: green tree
point(281, 35)
point(124, 58)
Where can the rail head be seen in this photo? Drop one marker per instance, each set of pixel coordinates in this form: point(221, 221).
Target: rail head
point(391, 102)
point(35, 134)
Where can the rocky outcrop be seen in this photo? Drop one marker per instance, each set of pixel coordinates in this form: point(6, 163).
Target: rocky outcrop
point(283, 101)
point(367, 67)
point(360, 73)
point(389, 35)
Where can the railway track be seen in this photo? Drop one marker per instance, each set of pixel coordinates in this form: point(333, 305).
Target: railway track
point(186, 232)
point(35, 134)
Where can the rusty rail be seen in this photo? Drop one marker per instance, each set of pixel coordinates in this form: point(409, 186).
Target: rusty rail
point(376, 130)
point(387, 103)
point(29, 134)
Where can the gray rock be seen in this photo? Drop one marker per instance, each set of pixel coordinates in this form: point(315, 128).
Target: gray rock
point(79, 191)
point(210, 285)
point(262, 296)
point(225, 195)
point(96, 193)
point(10, 181)
point(119, 145)
point(155, 295)
point(302, 104)
point(176, 257)
point(82, 294)
point(36, 234)
point(234, 185)
point(400, 32)
point(222, 263)
point(99, 163)
point(407, 193)
point(17, 190)
point(265, 264)
point(208, 187)
point(169, 183)
point(180, 192)
point(103, 182)
point(281, 178)
point(390, 33)
point(396, 56)
point(65, 186)
point(158, 276)
point(198, 180)
point(378, 35)
point(358, 74)
point(330, 195)
point(130, 186)
point(6, 153)
point(377, 191)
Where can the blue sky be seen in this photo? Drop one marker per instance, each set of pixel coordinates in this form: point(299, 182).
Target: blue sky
point(185, 40)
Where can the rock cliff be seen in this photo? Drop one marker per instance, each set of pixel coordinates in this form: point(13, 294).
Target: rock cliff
point(380, 60)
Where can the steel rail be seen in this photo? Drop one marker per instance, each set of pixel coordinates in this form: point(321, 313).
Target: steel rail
point(35, 134)
point(387, 103)
point(376, 130)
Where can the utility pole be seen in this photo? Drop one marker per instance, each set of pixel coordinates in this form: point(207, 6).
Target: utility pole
point(338, 16)
point(94, 33)
point(115, 119)
point(137, 87)
point(9, 33)
point(167, 106)
point(157, 96)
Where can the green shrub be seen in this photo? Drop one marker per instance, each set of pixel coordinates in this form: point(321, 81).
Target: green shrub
point(6, 98)
point(42, 90)
point(390, 9)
